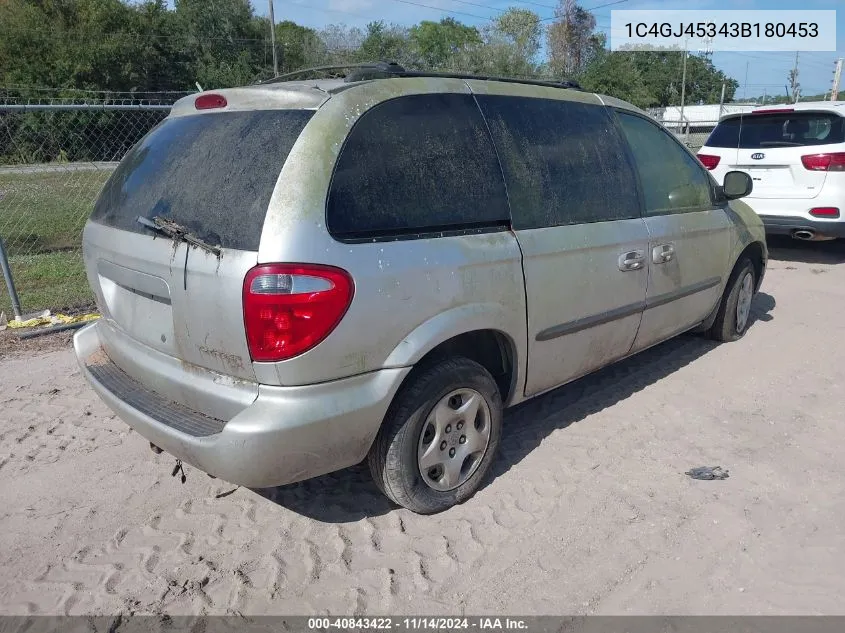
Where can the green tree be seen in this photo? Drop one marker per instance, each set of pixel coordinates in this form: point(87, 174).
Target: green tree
point(226, 46)
point(298, 46)
point(662, 72)
point(435, 43)
point(509, 46)
point(385, 42)
point(570, 39)
point(616, 74)
point(520, 28)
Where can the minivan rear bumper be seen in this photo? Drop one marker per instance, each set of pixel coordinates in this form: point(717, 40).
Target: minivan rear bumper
point(286, 435)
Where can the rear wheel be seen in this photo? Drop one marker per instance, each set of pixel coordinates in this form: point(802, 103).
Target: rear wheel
point(734, 315)
point(439, 437)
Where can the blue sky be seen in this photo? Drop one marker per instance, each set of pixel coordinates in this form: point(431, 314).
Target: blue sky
point(765, 70)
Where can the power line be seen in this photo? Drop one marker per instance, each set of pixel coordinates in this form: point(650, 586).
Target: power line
point(537, 4)
point(607, 4)
point(321, 9)
point(428, 6)
point(483, 6)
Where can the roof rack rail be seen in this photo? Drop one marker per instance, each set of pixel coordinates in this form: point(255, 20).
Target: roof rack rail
point(379, 74)
point(386, 70)
point(382, 67)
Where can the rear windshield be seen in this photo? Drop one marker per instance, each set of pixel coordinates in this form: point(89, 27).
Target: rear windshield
point(211, 173)
point(783, 129)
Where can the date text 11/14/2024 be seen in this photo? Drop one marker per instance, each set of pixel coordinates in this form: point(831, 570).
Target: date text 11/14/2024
point(415, 623)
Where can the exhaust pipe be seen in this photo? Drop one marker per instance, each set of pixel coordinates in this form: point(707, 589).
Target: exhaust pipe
point(808, 235)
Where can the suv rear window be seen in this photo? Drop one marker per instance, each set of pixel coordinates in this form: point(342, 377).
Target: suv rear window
point(417, 165)
point(781, 129)
point(212, 173)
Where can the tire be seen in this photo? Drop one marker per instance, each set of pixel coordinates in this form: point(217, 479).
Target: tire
point(729, 326)
point(410, 435)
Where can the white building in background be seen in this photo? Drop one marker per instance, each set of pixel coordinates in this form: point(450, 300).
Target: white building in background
point(698, 117)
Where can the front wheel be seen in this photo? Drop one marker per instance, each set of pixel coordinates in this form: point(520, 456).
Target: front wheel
point(734, 315)
point(439, 437)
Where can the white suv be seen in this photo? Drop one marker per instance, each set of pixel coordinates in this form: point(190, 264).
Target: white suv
point(795, 156)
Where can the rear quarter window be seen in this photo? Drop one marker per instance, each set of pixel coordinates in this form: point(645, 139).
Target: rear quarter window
point(564, 162)
point(782, 129)
point(212, 173)
point(416, 165)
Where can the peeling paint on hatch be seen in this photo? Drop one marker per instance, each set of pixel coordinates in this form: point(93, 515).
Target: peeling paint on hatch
point(231, 361)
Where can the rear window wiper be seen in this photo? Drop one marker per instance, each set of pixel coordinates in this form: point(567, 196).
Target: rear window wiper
point(177, 232)
point(780, 144)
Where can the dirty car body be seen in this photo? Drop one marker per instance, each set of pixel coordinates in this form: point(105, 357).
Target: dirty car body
point(336, 240)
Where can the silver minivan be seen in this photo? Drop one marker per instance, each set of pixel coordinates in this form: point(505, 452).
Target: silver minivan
point(300, 275)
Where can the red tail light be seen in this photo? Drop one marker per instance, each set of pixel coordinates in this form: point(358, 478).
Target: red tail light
point(289, 308)
point(825, 212)
point(824, 162)
point(210, 102)
point(773, 111)
point(710, 162)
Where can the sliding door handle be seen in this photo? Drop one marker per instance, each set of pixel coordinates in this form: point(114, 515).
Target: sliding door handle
point(632, 260)
point(663, 253)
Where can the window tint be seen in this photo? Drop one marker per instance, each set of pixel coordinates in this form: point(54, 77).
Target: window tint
point(417, 164)
point(787, 129)
point(212, 173)
point(672, 180)
point(564, 162)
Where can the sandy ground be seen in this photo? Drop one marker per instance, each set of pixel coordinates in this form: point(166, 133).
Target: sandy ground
point(588, 511)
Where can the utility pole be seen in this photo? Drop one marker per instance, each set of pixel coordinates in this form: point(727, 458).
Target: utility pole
point(273, 40)
point(683, 85)
point(837, 78)
point(793, 80)
point(721, 100)
point(765, 94)
point(745, 83)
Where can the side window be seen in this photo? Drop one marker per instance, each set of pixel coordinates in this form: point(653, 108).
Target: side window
point(417, 164)
point(564, 162)
point(672, 180)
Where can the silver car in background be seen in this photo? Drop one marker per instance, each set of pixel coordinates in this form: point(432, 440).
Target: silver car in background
point(300, 275)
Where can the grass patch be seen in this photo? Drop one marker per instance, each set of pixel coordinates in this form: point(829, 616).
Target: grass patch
point(42, 214)
point(45, 211)
point(54, 281)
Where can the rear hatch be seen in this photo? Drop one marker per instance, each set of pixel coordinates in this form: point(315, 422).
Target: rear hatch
point(769, 145)
point(177, 227)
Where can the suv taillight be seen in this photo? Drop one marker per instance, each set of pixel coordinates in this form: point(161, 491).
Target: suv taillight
point(710, 162)
point(824, 162)
point(289, 308)
point(825, 212)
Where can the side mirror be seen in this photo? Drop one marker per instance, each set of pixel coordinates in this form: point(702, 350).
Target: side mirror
point(738, 184)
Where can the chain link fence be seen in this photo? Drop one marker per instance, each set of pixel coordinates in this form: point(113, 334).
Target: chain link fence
point(692, 128)
point(693, 134)
point(54, 159)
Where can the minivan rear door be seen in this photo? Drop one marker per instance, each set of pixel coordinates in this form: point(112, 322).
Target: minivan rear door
point(177, 227)
point(768, 145)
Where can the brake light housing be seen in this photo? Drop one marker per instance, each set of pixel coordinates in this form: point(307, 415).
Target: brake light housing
point(825, 212)
point(709, 161)
point(210, 102)
point(290, 308)
point(834, 161)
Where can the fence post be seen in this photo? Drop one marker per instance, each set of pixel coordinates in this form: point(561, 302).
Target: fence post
point(10, 283)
